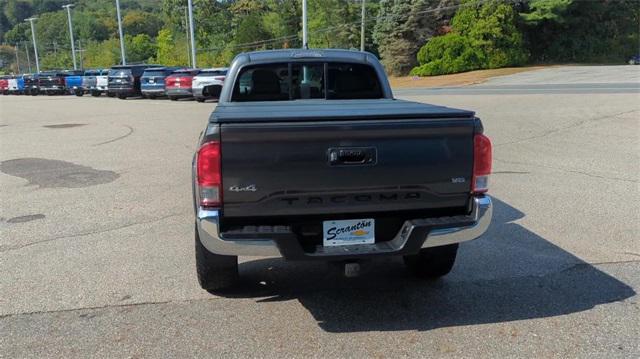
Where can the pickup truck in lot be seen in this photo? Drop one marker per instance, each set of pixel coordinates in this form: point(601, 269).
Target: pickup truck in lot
point(73, 82)
point(308, 156)
point(52, 82)
point(95, 81)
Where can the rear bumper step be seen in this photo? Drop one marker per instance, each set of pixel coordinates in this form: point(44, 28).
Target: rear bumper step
point(413, 235)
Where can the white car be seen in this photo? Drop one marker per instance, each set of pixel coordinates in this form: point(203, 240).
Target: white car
point(206, 83)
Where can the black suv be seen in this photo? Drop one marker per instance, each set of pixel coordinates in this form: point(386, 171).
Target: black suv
point(124, 80)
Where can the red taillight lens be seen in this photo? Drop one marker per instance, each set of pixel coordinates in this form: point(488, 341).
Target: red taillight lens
point(209, 176)
point(481, 163)
point(219, 78)
point(186, 81)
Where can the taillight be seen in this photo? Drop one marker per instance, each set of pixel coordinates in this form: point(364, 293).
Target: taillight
point(481, 163)
point(219, 78)
point(186, 81)
point(209, 175)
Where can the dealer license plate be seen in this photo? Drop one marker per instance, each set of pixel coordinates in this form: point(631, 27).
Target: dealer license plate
point(348, 232)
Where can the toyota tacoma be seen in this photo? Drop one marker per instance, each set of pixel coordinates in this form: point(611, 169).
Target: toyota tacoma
point(308, 156)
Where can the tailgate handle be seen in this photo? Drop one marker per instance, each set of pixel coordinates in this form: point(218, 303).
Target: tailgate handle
point(352, 156)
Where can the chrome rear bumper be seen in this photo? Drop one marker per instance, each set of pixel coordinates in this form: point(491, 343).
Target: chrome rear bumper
point(439, 234)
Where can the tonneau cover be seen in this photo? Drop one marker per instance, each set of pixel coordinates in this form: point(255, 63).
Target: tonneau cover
point(310, 110)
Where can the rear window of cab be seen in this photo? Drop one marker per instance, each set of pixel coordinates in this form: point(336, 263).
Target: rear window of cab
point(303, 80)
point(119, 72)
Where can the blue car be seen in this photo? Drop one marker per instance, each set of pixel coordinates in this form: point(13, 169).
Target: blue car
point(152, 81)
point(635, 60)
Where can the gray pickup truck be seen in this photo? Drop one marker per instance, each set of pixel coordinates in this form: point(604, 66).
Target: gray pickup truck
point(308, 156)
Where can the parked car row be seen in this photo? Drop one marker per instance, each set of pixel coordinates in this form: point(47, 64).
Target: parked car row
point(122, 81)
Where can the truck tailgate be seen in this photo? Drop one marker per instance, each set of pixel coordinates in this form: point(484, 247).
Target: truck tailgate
point(346, 166)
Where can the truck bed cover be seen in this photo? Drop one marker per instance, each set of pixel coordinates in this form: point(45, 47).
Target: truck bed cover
point(310, 110)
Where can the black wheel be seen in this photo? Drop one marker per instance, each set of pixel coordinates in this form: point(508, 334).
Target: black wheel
point(122, 97)
point(79, 93)
point(95, 93)
point(34, 92)
point(214, 271)
point(432, 263)
point(111, 94)
point(151, 97)
point(172, 98)
point(199, 99)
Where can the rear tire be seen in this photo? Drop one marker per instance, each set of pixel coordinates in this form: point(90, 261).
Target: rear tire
point(122, 97)
point(172, 98)
point(200, 100)
point(432, 263)
point(215, 272)
point(95, 93)
point(110, 94)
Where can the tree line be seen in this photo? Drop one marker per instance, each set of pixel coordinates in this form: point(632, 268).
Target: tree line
point(421, 37)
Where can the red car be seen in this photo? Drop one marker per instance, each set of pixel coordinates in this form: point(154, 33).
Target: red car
point(4, 85)
point(178, 84)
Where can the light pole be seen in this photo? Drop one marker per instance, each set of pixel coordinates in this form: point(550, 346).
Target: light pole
point(305, 45)
point(26, 50)
point(17, 59)
point(186, 27)
point(362, 28)
point(122, 54)
point(73, 48)
point(193, 42)
point(33, 37)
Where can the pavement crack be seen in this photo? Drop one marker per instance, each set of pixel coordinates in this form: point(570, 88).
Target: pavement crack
point(107, 306)
point(117, 138)
point(584, 173)
point(83, 234)
point(569, 127)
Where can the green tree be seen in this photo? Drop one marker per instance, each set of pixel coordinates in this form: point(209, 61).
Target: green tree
point(171, 49)
point(140, 48)
point(546, 10)
point(18, 34)
point(140, 22)
point(17, 10)
point(483, 35)
point(582, 31)
point(92, 26)
point(56, 60)
point(402, 28)
point(334, 24)
point(7, 59)
point(101, 54)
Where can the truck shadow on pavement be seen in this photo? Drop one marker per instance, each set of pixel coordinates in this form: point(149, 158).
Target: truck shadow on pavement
point(509, 274)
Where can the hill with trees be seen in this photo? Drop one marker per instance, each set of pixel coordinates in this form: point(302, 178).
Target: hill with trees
point(425, 37)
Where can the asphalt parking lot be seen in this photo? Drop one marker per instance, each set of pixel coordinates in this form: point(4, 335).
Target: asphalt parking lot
point(96, 238)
